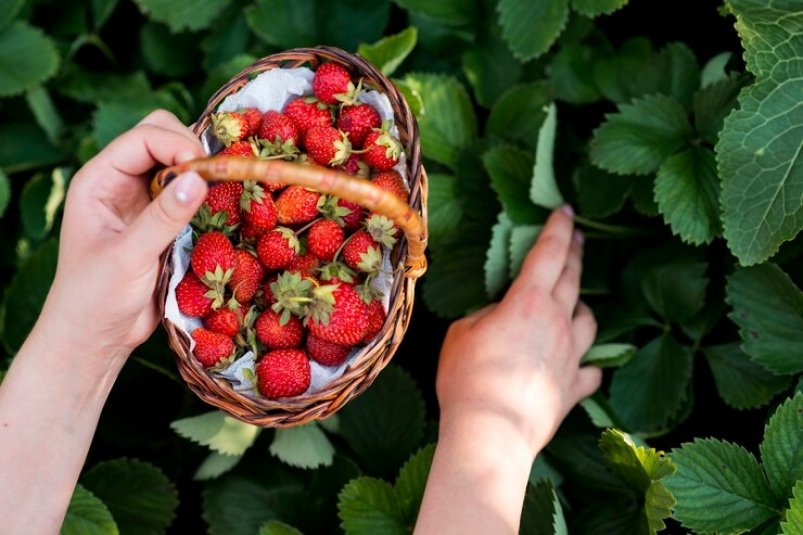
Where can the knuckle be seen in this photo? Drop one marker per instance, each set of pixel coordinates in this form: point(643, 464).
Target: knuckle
point(159, 116)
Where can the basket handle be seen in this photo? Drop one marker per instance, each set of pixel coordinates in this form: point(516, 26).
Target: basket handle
point(322, 179)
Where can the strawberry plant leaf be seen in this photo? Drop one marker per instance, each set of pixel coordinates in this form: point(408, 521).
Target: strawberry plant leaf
point(446, 12)
point(543, 189)
point(643, 194)
point(490, 69)
point(650, 390)
point(793, 523)
point(45, 113)
point(768, 308)
point(782, 448)
point(215, 465)
point(599, 193)
point(411, 481)
point(609, 355)
point(389, 52)
point(27, 58)
point(169, 53)
point(599, 411)
point(530, 28)
point(595, 8)
point(138, 494)
point(218, 431)
point(497, 269)
point(226, 41)
point(448, 123)
point(518, 113)
point(25, 147)
point(304, 446)
point(713, 103)
point(87, 515)
point(368, 505)
point(40, 201)
point(234, 505)
point(742, 383)
point(412, 96)
point(687, 193)
point(10, 10)
point(714, 71)
point(5, 192)
point(445, 209)
point(183, 14)
point(274, 527)
point(675, 285)
point(638, 138)
point(510, 169)
point(522, 238)
point(568, 73)
point(113, 117)
point(101, 11)
point(542, 512)
point(719, 487)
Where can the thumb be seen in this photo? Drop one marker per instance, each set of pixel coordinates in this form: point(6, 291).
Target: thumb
point(158, 224)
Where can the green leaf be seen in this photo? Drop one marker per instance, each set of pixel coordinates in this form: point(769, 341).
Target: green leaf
point(793, 523)
point(445, 210)
point(386, 423)
point(638, 138)
point(518, 113)
point(714, 70)
point(113, 117)
point(782, 448)
point(650, 390)
point(9, 12)
point(681, 74)
point(101, 11)
point(510, 171)
point(5, 192)
point(530, 28)
point(138, 494)
point(27, 58)
point(609, 355)
point(304, 446)
point(719, 487)
point(768, 308)
point(687, 192)
point(229, 39)
point(760, 143)
point(234, 505)
point(45, 113)
point(412, 96)
point(448, 124)
point(713, 103)
point(40, 201)
point(543, 189)
point(367, 506)
point(169, 53)
point(25, 147)
point(183, 14)
point(411, 482)
point(222, 73)
point(215, 465)
point(522, 239)
point(389, 52)
point(568, 74)
point(218, 431)
point(87, 515)
point(491, 69)
point(742, 383)
point(599, 411)
point(599, 193)
point(674, 286)
point(26, 293)
point(541, 512)
point(497, 269)
point(274, 527)
point(447, 12)
point(595, 8)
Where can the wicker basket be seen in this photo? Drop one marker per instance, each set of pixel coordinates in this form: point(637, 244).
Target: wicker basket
point(408, 252)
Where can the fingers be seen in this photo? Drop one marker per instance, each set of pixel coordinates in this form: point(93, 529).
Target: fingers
point(584, 329)
point(567, 289)
point(158, 224)
point(586, 382)
point(168, 121)
point(476, 316)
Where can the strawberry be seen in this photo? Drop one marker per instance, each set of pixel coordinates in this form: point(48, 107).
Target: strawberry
point(225, 197)
point(239, 148)
point(291, 294)
point(326, 353)
point(324, 238)
point(230, 127)
point(332, 84)
point(376, 318)
point(355, 166)
point(259, 210)
point(327, 145)
point(267, 298)
point(357, 121)
point(277, 248)
point(353, 220)
point(254, 119)
point(211, 348)
point(224, 321)
point(280, 134)
point(338, 314)
point(304, 264)
point(393, 182)
point(212, 260)
point(297, 205)
point(246, 276)
point(250, 234)
point(307, 112)
point(337, 273)
point(277, 335)
point(283, 373)
point(194, 298)
point(362, 252)
point(381, 150)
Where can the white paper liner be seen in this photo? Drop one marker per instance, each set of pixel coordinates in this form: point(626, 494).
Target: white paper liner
point(272, 90)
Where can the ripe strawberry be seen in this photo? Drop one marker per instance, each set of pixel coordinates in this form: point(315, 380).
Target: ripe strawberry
point(305, 113)
point(362, 252)
point(376, 318)
point(337, 273)
point(324, 238)
point(230, 127)
point(326, 145)
point(357, 121)
point(353, 220)
point(338, 314)
point(250, 234)
point(267, 298)
point(355, 166)
point(296, 205)
point(193, 297)
point(381, 150)
point(211, 348)
point(271, 332)
point(224, 321)
point(246, 276)
point(225, 197)
point(212, 260)
point(326, 353)
point(332, 84)
point(283, 373)
point(277, 128)
point(393, 182)
point(239, 148)
point(259, 210)
point(277, 248)
point(254, 118)
point(304, 264)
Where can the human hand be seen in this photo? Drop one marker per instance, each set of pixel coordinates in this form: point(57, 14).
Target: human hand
point(102, 298)
point(518, 362)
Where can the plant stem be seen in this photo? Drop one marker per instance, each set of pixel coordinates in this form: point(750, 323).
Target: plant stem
point(612, 229)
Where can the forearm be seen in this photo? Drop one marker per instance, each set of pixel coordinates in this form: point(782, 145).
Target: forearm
point(477, 480)
point(50, 402)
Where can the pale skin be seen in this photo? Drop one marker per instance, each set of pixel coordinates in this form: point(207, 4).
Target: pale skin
point(508, 373)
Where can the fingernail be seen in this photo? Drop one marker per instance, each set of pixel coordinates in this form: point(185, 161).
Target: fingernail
point(578, 237)
point(568, 210)
point(188, 187)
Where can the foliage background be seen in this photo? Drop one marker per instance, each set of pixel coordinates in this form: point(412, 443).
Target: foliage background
point(703, 347)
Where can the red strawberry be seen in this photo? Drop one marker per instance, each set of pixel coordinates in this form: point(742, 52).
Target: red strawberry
point(307, 112)
point(393, 182)
point(259, 210)
point(324, 238)
point(230, 127)
point(226, 197)
point(267, 293)
point(272, 333)
point(211, 348)
point(326, 353)
point(212, 260)
point(376, 318)
point(246, 276)
point(254, 118)
point(382, 150)
point(362, 252)
point(278, 129)
point(353, 220)
point(357, 121)
point(296, 205)
point(332, 84)
point(338, 314)
point(337, 273)
point(224, 321)
point(304, 264)
point(283, 373)
point(239, 148)
point(250, 234)
point(192, 296)
point(355, 166)
point(277, 248)
point(326, 145)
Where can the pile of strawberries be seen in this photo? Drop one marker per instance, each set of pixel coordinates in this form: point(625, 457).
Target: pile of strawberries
point(286, 272)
